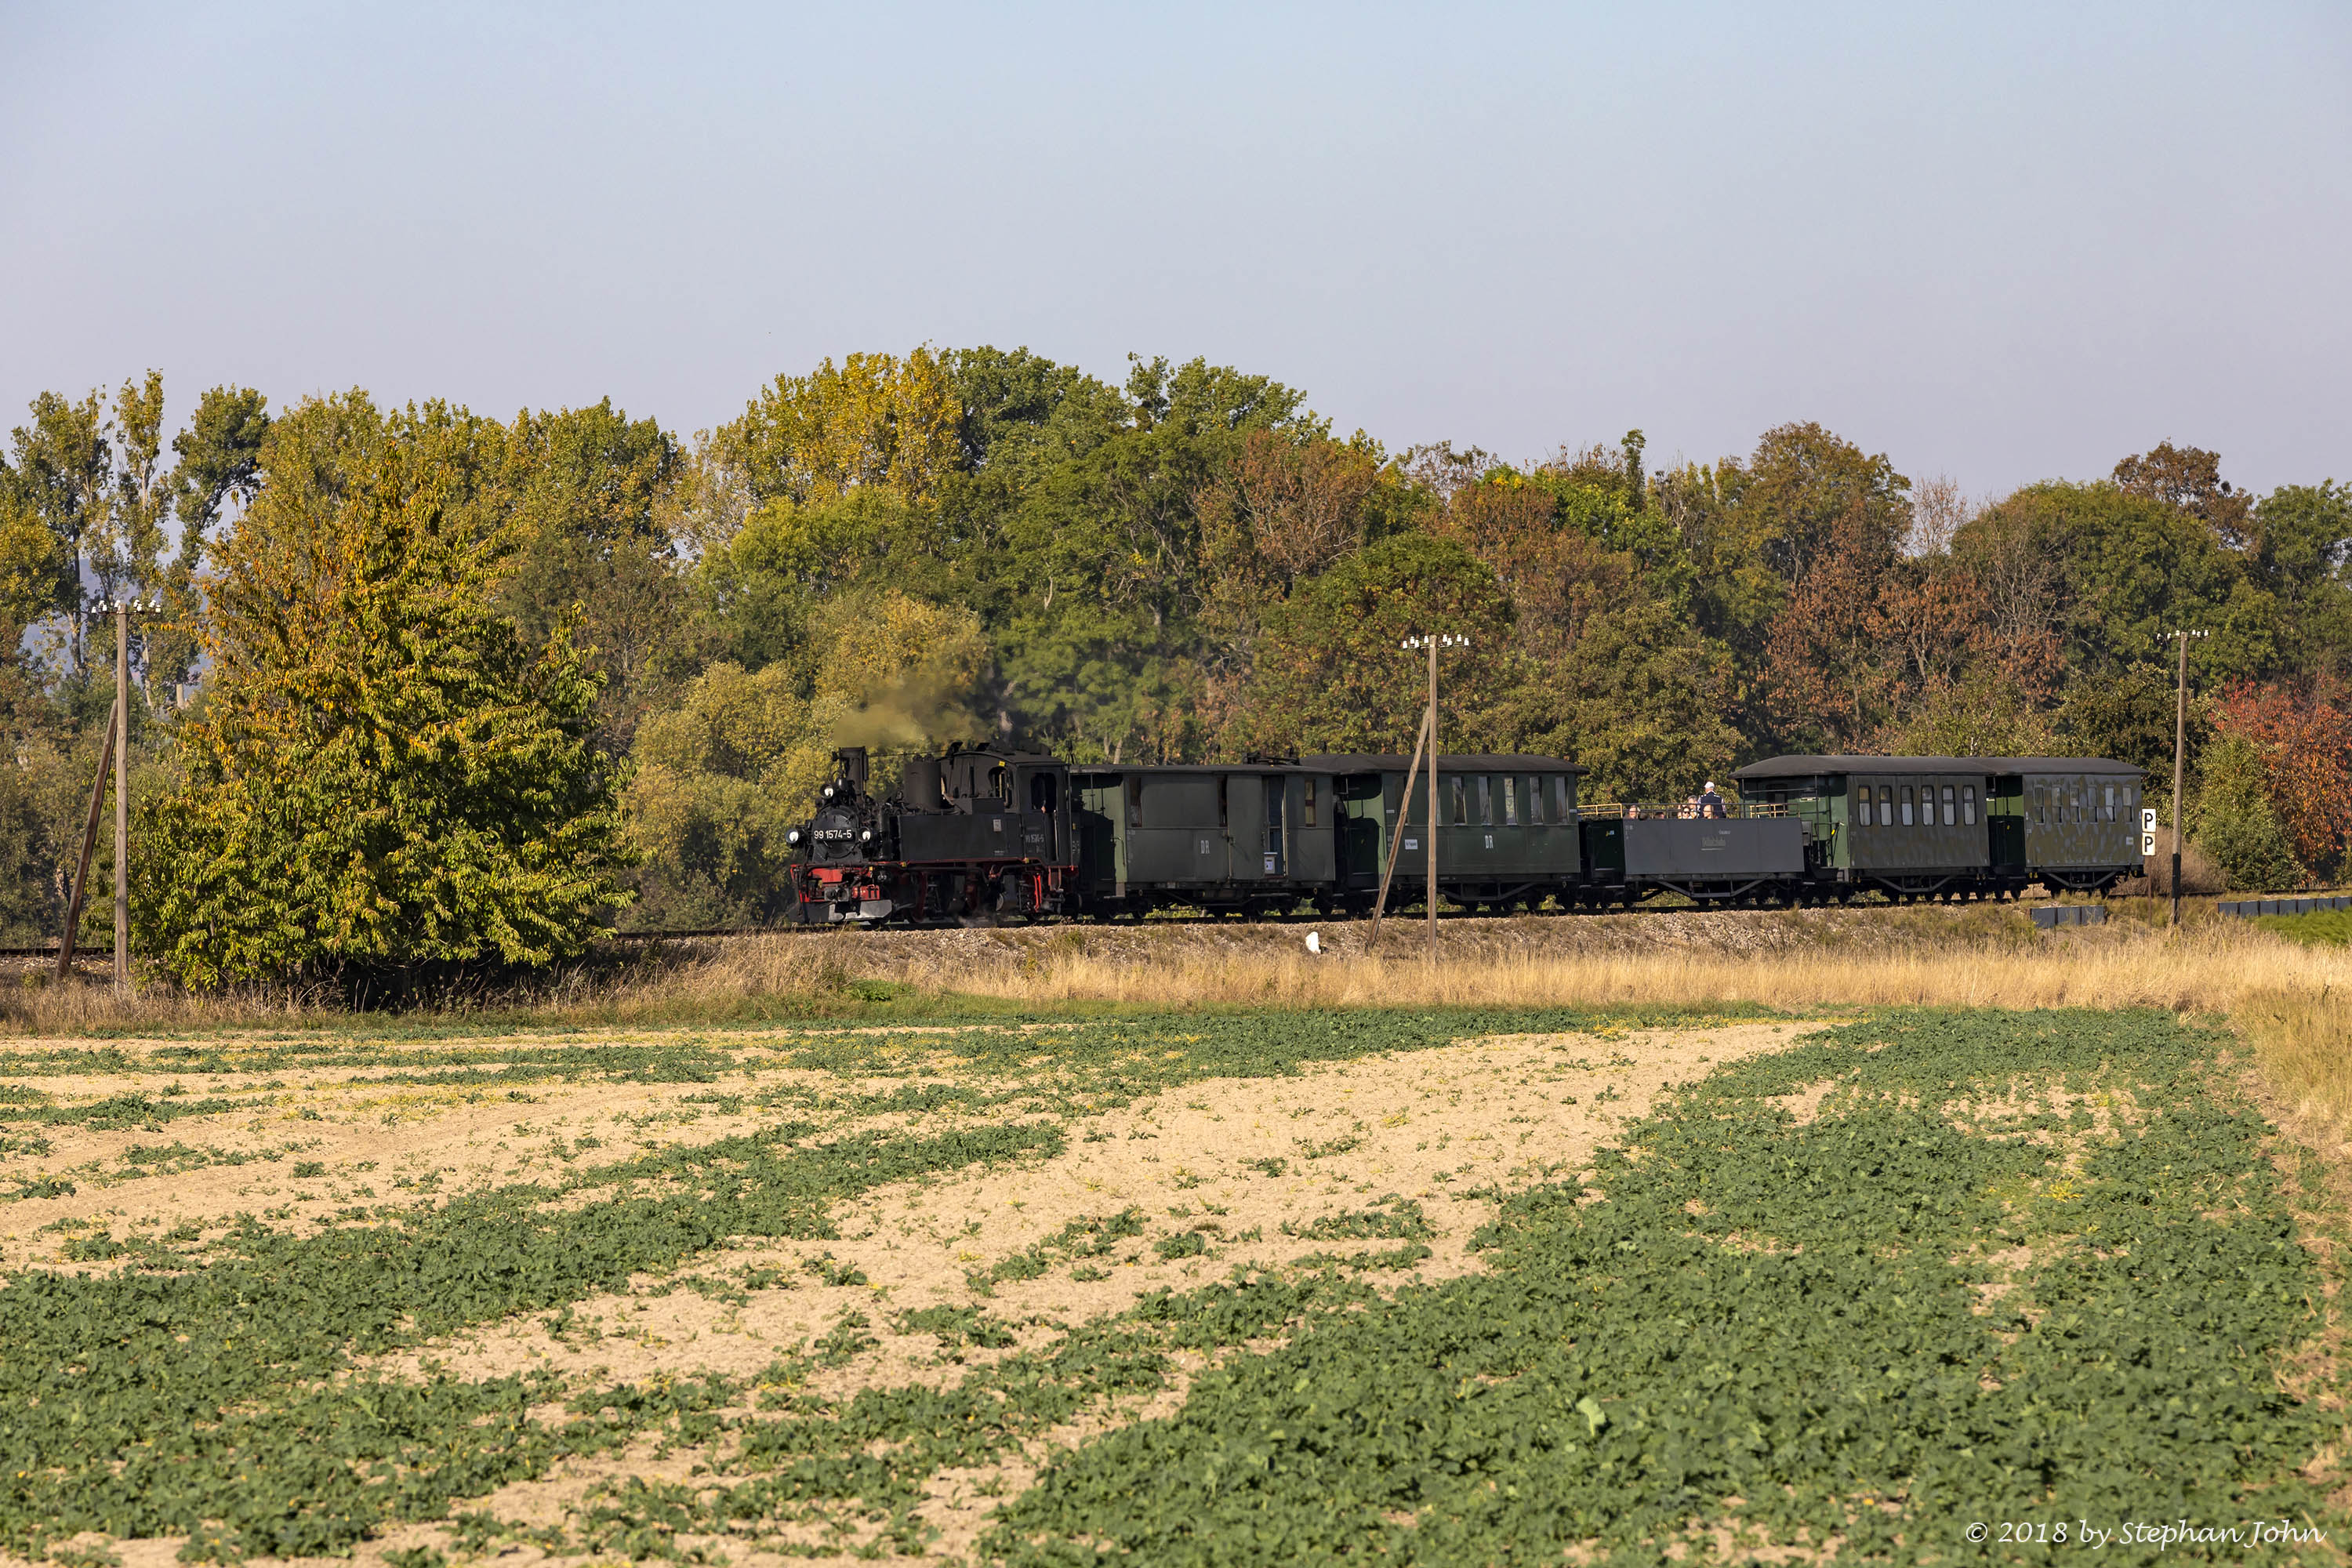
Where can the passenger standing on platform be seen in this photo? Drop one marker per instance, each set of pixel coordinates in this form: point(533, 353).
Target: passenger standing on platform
point(1709, 802)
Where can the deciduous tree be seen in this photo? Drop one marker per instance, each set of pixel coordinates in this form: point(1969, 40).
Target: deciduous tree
point(386, 776)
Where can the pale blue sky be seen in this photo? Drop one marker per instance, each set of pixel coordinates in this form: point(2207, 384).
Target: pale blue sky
point(2000, 242)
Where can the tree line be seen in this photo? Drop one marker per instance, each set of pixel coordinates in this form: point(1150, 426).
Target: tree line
point(427, 687)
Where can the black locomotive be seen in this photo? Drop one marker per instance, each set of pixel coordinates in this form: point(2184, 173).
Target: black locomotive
point(981, 833)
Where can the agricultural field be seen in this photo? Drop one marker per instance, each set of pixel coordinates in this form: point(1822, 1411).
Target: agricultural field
point(1425, 1284)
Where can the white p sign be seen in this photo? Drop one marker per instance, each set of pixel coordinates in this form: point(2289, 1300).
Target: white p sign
point(2148, 821)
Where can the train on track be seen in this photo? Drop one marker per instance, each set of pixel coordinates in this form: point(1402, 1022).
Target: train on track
point(982, 833)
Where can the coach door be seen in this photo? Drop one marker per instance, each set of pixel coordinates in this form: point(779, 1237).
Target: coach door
point(1275, 846)
point(1246, 829)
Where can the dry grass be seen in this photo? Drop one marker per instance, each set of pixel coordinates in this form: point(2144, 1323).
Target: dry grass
point(2199, 974)
point(2302, 1037)
point(1972, 955)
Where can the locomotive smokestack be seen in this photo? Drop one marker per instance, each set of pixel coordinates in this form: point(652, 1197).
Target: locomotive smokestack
point(920, 789)
point(853, 765)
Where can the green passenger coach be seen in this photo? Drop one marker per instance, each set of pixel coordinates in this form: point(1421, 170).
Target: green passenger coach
point(1923, 827)
point(1507, 828)
point(2072, 821)
point(1248, 838)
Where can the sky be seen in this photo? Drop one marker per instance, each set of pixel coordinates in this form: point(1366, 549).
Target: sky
point(1997, 243)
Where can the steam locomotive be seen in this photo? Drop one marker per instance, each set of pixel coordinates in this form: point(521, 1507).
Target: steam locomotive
point(979, 834)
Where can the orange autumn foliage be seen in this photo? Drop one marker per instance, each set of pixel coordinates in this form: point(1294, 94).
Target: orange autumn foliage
point(2305, 740)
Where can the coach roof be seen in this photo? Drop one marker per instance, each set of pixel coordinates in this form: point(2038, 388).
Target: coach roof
point(1806, 767)
point(1469, 762)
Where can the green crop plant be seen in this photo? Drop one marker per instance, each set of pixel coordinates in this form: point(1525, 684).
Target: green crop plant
point(222, 1402)
point(1392, 1218)
point(955, 1327)
point(1824, 1320)
point(1183, 1244)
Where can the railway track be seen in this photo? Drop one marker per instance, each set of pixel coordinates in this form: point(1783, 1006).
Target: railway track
point(1402, 922)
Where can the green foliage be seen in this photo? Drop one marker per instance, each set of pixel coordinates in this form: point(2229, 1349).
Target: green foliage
point(225, 1398)
point(956, 1326)
point(2302, 536)
point(1396, 1218)
point(2134, 569)
point(63, 473)
point(1783, 1313)
point(2330, 928)
point(1183, 567)
point(384, 775)
point(1331, 677)
point(2237, 826)
point(1644, 703)
point(1180, 1245)
point(1756, 529)
point(726, 772)
point(591, 558)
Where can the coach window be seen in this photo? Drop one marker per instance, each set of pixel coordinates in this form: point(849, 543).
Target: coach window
point(2109, 815)
point(1948, 806)
point(1861, 806)
point(1460, 808)
point(1486, 801)
point(1907, 805)
point(1560, 797)
point(1535, 802)
point(1134, 800)
point(1969, 804)
point(1221, 800)
point(1306, 804)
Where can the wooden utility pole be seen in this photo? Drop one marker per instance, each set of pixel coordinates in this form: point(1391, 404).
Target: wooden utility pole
point(2179, 750)
point(66, 941)
point(121, 740)
point(1433, 643)
point(1396, 837)
point(1432, 834)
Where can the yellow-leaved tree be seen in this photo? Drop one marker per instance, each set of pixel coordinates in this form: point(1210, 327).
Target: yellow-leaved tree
point(875, 422)
point(386, 776)
point(725, 773)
